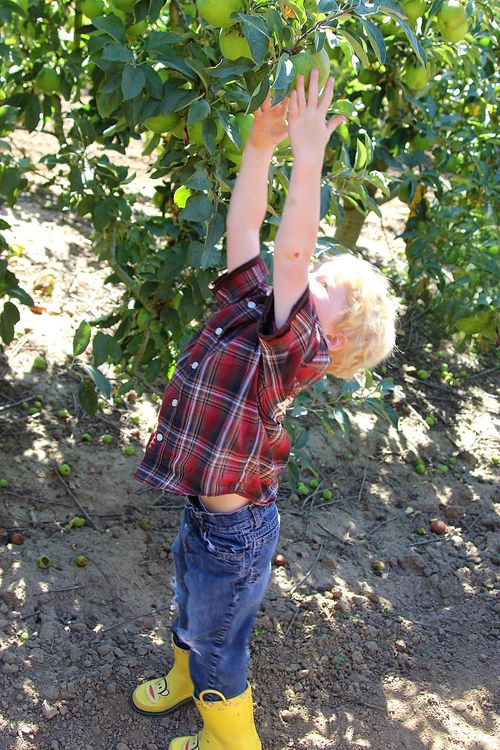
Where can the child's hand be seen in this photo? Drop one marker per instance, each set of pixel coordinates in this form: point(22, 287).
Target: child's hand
point(308, 129)
point(269, 124)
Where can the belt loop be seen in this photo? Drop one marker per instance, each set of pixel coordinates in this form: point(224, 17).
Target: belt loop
point(254, 510)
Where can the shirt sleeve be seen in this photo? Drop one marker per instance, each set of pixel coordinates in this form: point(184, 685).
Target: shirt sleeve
point(295, 355)
point(249, 279)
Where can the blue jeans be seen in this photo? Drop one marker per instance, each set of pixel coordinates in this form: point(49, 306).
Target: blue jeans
point(222, 568)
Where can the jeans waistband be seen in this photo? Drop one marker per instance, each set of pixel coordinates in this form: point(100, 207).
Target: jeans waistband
point(251, 515)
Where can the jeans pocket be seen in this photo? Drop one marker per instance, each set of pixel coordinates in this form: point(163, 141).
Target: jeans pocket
point(210, 544)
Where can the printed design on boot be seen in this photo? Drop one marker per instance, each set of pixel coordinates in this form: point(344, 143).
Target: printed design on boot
point(157, 689)
point(192, 743)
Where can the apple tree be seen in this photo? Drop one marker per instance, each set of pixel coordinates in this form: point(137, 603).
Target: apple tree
point(184, 79)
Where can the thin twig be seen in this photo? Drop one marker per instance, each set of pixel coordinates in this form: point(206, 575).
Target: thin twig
point(78, 503)
point(16, 403)
point(428, 541)
point(479, 515)
point(382, 523)
point(294, 588)
point(55, 591)
point(292, 620)
point(482, 372)
point(133, 619)
point(334, 536)
point(363, 482)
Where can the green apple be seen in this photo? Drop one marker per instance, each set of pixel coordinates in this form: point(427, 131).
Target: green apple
point(162, 123)
point(302, 489)
point(48, 81)
point(64, 470)
point(106, 439)
point(39, 363)
point(92, 8)
point(451, 15)
point(233, 44)
point(414, 9)
point(80, 561)
point(77, 522)
point(144, 524)
point(195, 132)
point(456, 34)
point(43, 562)
point(388, 26)
point(416, 76)
point(129, 450)
point(326, 494)
point(4, 482)
point(422, 374)
point(137, 29)
point(218, 12)
point(86, 437)
point(305, 61)
point(442, 468)
point(62, 414)
point(422, 141)
point(313, 483)
point(124, 5)
point(430, 419)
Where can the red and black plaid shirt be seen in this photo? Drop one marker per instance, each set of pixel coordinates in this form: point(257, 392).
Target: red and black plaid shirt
point(219, 428)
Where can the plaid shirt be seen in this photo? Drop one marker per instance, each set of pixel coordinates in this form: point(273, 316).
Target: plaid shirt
point(219, 427)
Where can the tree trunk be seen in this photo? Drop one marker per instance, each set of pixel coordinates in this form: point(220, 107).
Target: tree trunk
point(348, 232)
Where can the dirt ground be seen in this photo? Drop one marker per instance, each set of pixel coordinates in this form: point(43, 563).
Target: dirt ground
point(342, 658)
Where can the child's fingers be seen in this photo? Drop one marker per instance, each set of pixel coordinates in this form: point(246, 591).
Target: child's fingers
point(312, 96)
point(327, 96)
point(334, 122)
point(293, 109)
point(266, 103)
point(301, 95)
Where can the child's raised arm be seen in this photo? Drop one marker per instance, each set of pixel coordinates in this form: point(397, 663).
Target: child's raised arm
point(247, 208)
point(296, 236)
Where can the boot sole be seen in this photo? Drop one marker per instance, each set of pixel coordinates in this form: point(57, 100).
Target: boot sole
point(159, 713)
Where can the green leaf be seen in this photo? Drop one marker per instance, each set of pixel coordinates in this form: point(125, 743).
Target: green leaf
point(8, 319)
point(419, 50)
point(229, 69)
point(101, 382)
point(198, 208)
point(112, 26)
point(361, 155)
point(474, 323)
point(258, 96)
point(199, 180)
point(357, 45)
point(198, 111)
point(108, 103)
point(133, 81)
point(32, 112)
point(117, 53)
point(87, 398)
point(345, 107)
point(376, 40)
point(81, 338)
point(383, 410)
point(161, 41)
point(255, 32)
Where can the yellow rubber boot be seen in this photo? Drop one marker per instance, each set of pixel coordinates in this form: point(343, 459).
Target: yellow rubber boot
point(227, 725)
point(164, 694)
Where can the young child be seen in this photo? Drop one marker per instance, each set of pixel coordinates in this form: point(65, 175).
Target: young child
point(219, 438)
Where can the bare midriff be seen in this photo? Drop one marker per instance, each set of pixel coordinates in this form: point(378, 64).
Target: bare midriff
point(224, 503)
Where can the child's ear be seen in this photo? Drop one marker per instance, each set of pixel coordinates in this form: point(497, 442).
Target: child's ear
point(337, 342)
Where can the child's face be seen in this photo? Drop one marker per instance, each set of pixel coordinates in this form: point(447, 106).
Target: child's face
point(330, 299)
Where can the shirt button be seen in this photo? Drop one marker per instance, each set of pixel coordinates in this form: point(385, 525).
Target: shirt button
point(218, 331)
point(174, 402)
point(159, 437)
point(194, 365)
point(251, 304)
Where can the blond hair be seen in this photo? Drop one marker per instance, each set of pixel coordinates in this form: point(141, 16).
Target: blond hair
point(369, 321)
